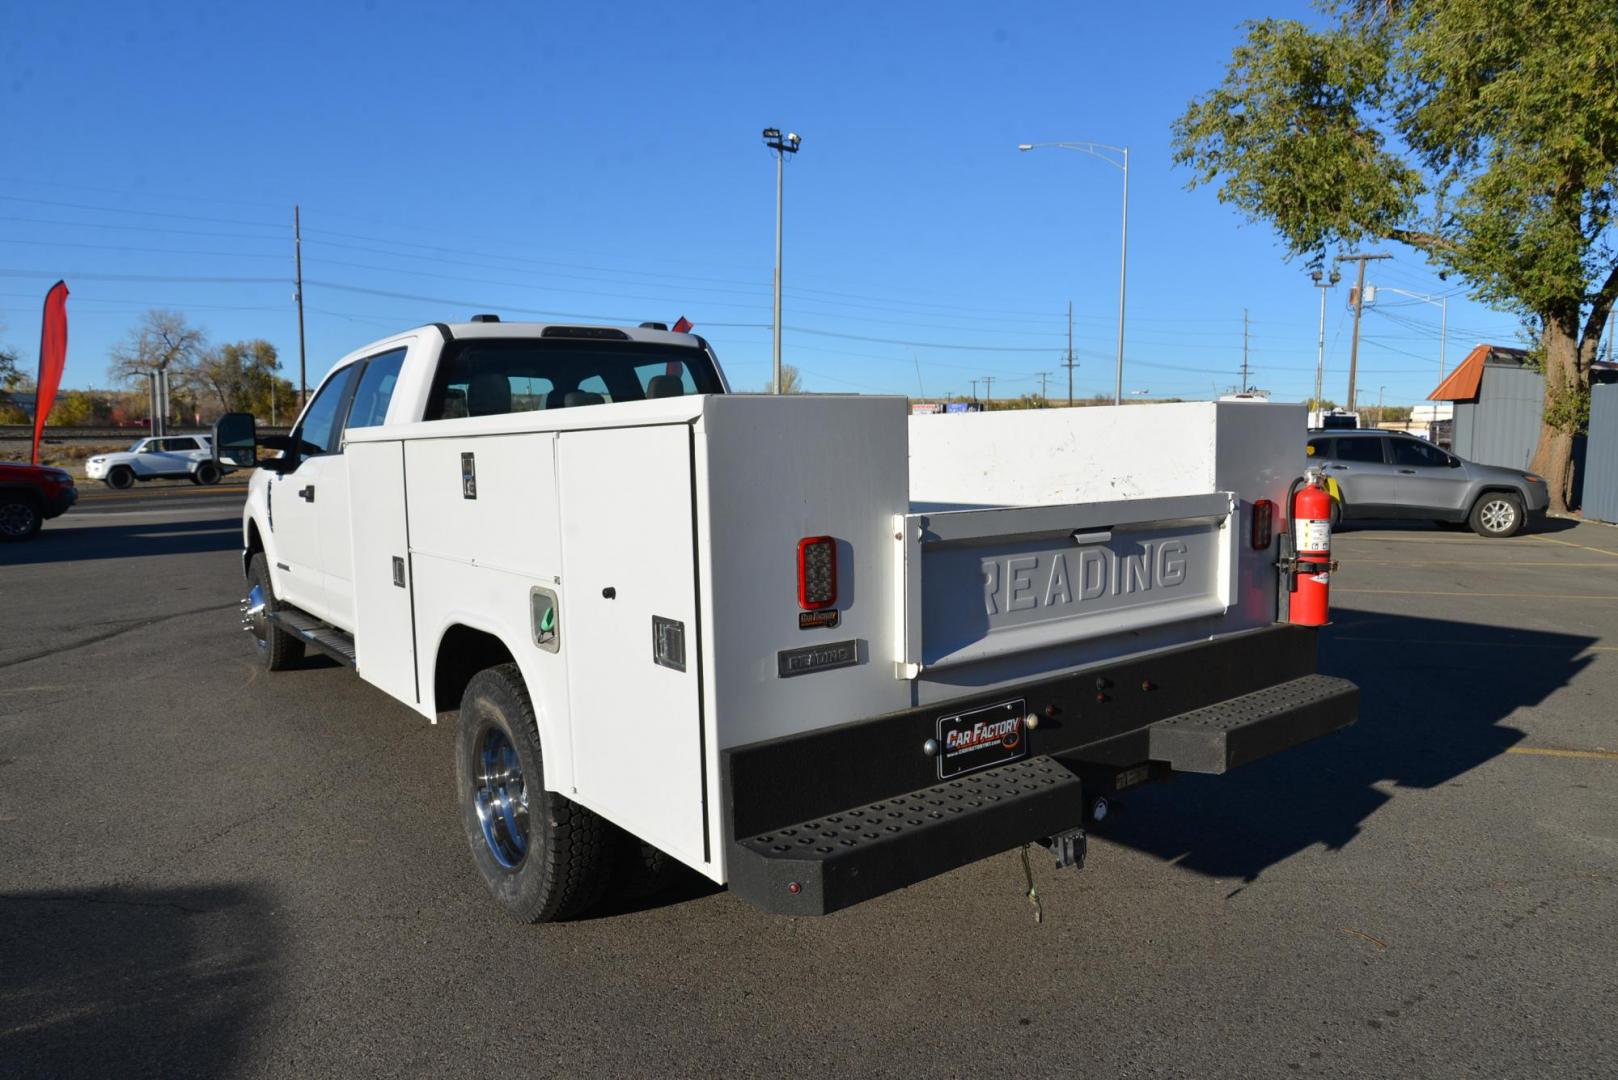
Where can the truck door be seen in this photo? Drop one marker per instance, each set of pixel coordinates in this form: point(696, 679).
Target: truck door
point(629, 619)
point(373, 390)
point(294, 498)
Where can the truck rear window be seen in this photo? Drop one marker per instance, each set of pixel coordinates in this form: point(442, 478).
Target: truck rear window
point(490, 376)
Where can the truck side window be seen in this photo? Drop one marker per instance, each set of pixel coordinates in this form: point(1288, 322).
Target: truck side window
point(315, 434)
point(375, 390)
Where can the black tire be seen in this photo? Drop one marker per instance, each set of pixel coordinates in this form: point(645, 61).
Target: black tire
point(543, 856)
point(1497, 515)
point(641, 871)
point(277, 650)
point(121, 477)
point(20, 518)
point(206, 474)
point(1336, 514)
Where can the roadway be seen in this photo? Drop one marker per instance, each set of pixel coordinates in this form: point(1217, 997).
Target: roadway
point(208, 870)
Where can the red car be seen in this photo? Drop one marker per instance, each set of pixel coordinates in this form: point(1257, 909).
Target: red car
point(29, 494)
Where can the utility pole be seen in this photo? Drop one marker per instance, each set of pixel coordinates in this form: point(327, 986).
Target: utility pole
point(988, 389)
point(303, 359)
point(1069, 354)
point(782, 145)
point(974, 389)
point(1359, 309)
point(1379, 392)
point(1244, 351)
point(1042, 376)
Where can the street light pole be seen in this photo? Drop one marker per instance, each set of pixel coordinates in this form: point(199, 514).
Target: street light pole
point(1094, 149)
point(1442, 303)
point(782, 145)
point(1320, 346)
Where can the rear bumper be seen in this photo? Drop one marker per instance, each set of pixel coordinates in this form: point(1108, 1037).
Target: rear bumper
point(830, 818)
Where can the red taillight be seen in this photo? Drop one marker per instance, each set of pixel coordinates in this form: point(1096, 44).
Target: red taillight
point(817, 572)
point(1263, 524)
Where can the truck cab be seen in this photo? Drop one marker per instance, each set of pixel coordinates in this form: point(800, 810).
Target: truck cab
point(298, 509)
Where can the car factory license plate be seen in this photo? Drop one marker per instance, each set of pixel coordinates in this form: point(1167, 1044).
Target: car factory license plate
point(992, 735)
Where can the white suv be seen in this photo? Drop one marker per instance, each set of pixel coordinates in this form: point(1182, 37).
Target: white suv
point(171, 456)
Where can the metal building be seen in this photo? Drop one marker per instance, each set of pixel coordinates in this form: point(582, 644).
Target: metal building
point(1498, 400)
point(1601, 456)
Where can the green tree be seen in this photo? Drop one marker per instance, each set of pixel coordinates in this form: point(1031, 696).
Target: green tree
point(1482, 133)
point(8, 368)
point(240, 376)
point(75, 408)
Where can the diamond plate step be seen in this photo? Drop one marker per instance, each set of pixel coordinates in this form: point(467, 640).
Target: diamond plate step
point(1218, 738)
point(328, 639)
point(820, 866)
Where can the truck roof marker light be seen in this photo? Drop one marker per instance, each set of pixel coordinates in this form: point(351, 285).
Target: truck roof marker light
point(817, 572)
point(1263, 524)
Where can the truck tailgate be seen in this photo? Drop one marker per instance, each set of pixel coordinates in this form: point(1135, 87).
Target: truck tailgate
point(982, 583)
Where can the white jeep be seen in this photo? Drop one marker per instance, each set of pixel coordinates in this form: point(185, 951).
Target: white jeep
point(160, 457)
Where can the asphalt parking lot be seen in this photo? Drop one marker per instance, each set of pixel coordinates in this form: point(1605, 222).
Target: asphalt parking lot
point(211, 871)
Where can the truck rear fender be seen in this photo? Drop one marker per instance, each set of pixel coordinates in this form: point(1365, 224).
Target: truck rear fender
point(462, 652)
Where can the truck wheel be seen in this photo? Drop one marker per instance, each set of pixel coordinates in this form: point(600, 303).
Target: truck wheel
point(543, 856)
point(206, 474)
point(121, 477)
point(277, 649)
point(1497, 514)
point(20, 518)
point(642, 870)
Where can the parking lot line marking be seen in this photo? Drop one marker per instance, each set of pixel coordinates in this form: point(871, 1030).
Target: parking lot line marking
point(1565, 543)
point(1484, 595)
point(1443, 643)
point(1547, 751)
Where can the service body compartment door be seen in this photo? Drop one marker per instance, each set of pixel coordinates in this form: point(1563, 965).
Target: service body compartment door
point(629, 632)
point(383, 578)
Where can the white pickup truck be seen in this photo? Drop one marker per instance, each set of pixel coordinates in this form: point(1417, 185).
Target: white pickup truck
point(811, 648)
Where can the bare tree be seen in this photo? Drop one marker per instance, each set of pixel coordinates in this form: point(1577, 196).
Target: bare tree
point(161, 341)
point(791, 383)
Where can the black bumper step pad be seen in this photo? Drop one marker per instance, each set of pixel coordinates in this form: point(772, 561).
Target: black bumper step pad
point(328, 639)
point(1218, 738)
point(817, 867)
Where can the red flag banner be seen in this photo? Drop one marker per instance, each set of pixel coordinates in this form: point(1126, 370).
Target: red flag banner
point(52, 358)
point(683, 326)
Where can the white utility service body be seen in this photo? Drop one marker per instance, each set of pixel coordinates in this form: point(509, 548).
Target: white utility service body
point(1028, 605)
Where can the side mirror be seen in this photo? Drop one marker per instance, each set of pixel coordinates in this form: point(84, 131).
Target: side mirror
point(1455, 463)
point(235, 440)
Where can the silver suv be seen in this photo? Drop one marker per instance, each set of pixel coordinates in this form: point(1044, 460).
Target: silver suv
point(1385, 474)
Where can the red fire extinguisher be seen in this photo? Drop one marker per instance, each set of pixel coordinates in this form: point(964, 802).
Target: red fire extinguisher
point(1312, 564)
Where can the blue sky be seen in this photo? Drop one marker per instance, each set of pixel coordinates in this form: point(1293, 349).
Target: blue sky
point(603, 161)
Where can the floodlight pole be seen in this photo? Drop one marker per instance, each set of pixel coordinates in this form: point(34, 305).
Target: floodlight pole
point(782, 145)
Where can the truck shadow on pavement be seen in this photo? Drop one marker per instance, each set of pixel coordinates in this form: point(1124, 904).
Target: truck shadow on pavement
point(1434, 693)
point(134, 982)
point(62, 542)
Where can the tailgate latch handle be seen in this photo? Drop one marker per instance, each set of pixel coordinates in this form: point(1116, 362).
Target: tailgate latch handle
point(1097, 536)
